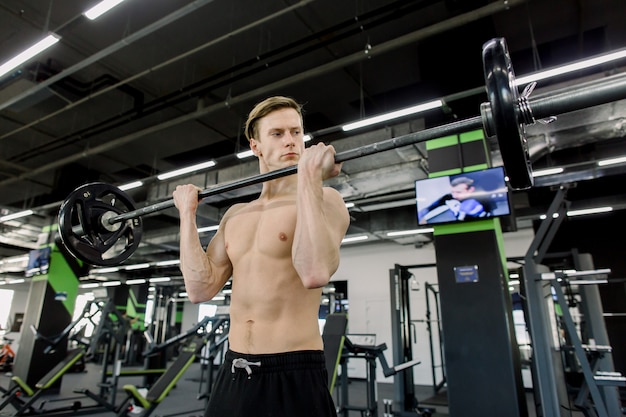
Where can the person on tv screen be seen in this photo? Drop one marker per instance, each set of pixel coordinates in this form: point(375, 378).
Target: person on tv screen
point(462, 202)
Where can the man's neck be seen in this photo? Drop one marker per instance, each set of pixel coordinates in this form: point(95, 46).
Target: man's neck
point(279, 187)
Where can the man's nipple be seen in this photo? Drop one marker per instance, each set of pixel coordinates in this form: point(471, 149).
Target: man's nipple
point(282, 236)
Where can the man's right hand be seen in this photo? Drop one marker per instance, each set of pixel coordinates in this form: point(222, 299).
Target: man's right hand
point(186, 198)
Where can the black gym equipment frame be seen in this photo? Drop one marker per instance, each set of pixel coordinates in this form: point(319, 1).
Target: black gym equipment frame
point(405, 402)
point(548, 379)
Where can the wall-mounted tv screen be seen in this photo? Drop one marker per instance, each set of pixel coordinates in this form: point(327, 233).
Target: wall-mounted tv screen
point(462, 197)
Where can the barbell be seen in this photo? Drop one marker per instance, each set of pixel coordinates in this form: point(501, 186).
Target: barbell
point(99, 224)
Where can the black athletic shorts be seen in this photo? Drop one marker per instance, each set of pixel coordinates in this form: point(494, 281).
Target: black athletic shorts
point(291, 384)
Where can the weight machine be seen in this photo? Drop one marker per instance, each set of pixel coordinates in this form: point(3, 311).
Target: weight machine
point(370, 353)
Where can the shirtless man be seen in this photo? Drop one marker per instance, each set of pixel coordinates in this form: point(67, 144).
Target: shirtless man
point(280, 250)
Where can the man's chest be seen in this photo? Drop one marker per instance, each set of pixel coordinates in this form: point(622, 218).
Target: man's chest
point(264, 230)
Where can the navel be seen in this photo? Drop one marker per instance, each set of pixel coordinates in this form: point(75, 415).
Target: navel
point(282, 236)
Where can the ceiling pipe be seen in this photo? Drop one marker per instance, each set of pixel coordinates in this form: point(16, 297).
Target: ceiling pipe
point(198, 89)
point(153, 69)
point(172, 17)
point(388, 46)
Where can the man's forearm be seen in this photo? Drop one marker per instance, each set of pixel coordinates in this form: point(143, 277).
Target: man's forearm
point(194, 263)
point(315, 253)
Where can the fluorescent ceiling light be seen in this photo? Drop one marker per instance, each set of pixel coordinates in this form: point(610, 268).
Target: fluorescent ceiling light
point(166, 263)
point(306, 138)
point(135, 281)
point(16, 215)
point(175, 173)
point(245, 154)
point(393, 115)
point(554, 216)
point(354, 239)
point(90, 285)
point(411, 232)
point(15, 281)
point(349, 205)
point(585, 63)
point(37, 48)
point(101, 8)
point(137, 266)
point(208, 228)
point(218, 298)
point(589, 211)
point(106, 270)
point(160, 279)
point(549, 171)
point(612, 161)
point(111, 283)
point(130, 185)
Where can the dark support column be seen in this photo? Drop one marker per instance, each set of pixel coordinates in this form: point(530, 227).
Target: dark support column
point(483, 369)
point(49, 309)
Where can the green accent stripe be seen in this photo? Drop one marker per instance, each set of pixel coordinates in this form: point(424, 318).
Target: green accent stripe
point(61, 278)
point(475, 167)
point(444, 173)
point(442, 142)
point(334, 378)
point(471, 136)
point(500, 240)
point(470, 226)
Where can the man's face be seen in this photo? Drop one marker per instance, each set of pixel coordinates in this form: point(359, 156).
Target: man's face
point(280, 141)
point(461, 191)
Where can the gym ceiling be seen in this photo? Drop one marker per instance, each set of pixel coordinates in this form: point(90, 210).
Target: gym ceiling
point(153, 86)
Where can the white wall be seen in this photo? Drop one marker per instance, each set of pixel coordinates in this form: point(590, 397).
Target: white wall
point(366, 268)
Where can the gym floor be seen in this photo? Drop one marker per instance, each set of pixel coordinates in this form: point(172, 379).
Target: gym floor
point(184, 400)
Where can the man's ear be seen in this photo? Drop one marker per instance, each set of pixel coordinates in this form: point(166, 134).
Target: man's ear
point(254, 146)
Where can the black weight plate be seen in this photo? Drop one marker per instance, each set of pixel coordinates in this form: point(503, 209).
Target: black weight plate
point(505, 115)
point(85, 232)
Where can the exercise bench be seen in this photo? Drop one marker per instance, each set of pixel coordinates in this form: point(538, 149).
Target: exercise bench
point(21, 389)
point(162, 387)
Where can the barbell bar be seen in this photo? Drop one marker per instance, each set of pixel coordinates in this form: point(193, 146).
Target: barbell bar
point(99, 224)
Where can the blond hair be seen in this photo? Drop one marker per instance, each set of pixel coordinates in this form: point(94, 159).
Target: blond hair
point(264, 108)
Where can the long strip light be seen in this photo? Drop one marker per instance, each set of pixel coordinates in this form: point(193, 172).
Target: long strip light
point(581, 212)
point(393, 115)
point(411, 232)
point(594, 210)
point(548, 171)
point(612, 161)
point(563, 69)
point(186, 170)
point(17, 215)
point(101, 8)
point(208, 229)
point(22, 57)
point(168, 263)
point(355, 238)
point(130, 185)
